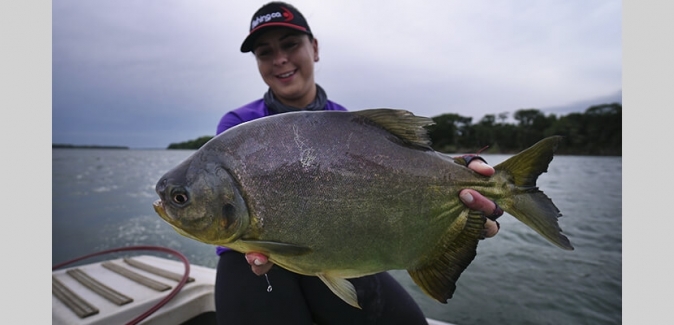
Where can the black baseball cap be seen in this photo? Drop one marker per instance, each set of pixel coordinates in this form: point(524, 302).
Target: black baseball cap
point(274, 14)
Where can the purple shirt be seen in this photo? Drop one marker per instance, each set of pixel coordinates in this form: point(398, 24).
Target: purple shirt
point(249, 112)
point(255, 110)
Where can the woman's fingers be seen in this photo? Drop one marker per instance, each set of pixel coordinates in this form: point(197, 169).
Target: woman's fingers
point(259, 263)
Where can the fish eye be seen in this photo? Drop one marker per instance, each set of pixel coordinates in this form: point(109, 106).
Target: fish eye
point(180, 197)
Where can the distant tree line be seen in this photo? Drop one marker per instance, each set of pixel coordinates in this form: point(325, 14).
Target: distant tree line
point(191, 144)
point(597, 131)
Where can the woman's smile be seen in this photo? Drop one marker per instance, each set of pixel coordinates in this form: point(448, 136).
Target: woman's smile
point(286, 75)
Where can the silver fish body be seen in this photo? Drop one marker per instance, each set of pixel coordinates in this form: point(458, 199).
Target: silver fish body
point(346, 194)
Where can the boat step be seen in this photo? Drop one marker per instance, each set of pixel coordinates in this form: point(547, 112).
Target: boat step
point(155, 270)
point(156, 285)
point(99, 288)
point(78, 305)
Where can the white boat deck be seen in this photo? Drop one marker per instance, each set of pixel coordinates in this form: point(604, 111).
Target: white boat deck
point(128, 299)
point(195, 298)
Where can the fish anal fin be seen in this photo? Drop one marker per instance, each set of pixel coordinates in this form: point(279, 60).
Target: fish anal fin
point(270, 247)
point(438, 274)
point(342, 288)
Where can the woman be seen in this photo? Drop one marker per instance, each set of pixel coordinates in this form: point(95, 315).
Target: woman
point(285, 51)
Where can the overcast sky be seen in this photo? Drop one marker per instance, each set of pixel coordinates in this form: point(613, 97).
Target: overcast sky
point(147, 73)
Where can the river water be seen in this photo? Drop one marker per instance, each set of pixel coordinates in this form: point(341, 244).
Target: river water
point(102, 199)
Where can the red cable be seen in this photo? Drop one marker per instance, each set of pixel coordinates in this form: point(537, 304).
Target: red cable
point(150, 248)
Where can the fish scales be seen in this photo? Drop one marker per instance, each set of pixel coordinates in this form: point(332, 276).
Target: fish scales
point(346, 194)
point(375, 197)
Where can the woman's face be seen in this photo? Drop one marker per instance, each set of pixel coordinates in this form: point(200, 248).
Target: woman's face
point(286, 59)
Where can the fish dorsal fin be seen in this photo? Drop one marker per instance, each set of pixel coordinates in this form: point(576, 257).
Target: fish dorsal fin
point(437, 276)
point(403, 124)
point(342, 288)
point(270, 247)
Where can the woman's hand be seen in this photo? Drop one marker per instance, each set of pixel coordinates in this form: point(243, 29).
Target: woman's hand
point(475, 201)
point(260, 264)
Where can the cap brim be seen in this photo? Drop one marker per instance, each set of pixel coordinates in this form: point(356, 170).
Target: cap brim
point(248, 43)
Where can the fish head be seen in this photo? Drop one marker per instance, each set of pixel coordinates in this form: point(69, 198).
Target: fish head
point(202, 201)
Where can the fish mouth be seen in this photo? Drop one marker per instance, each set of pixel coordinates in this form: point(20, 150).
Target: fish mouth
point(198, 224)
point(159, 208)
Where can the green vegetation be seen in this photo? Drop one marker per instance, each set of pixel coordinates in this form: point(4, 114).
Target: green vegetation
point(192, 144)
point(598, 131)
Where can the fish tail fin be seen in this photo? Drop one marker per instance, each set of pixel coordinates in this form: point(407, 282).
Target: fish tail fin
point(436, 275)
point(528, 204)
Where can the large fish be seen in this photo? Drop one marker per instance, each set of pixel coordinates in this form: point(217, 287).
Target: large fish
point(345, 194)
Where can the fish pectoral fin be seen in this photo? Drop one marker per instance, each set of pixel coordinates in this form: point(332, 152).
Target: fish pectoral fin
point(270, 247)
point(342, 288)
point(437, 276)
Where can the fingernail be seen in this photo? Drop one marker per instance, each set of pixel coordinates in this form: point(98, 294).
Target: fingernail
point(257, 262)
point(466, 197)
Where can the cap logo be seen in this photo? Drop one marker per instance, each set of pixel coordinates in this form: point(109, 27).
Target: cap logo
point(286, 15)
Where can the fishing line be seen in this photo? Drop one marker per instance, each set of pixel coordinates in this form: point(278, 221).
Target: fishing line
point(269, 284)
